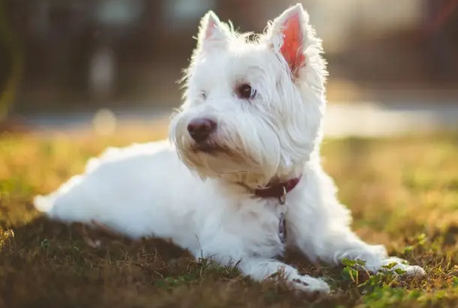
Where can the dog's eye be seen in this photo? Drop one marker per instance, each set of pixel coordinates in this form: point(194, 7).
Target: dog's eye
point(203, 94)
point(245, 91)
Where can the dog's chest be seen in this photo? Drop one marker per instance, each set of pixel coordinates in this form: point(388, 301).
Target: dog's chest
point(261, 226)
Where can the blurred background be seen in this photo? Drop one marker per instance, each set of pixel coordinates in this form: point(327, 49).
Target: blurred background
point(78, 63)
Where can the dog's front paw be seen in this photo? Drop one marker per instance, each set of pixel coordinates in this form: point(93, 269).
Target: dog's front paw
point(409, 270)
point(310, 285)
point(393, 263)
point(415, 271)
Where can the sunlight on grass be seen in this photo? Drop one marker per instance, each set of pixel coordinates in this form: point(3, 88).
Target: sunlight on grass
point(403, 193)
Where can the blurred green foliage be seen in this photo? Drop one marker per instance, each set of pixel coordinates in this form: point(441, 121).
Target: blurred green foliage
point(11, 43)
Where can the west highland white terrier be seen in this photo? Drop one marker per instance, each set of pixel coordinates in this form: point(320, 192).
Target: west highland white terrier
point(241, 179)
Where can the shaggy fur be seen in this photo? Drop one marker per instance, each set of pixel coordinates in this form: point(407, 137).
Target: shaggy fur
point(203, 197)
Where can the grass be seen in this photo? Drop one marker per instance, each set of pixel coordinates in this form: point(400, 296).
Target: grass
point(403, 193)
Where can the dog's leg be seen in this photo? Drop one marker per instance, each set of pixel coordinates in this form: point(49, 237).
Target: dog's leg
point(330, 242)
point(320, 229)
point(337, 245)
point(261, 269)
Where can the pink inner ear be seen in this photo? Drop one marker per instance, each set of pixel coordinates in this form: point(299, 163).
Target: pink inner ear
point(292, 43)
point(210, 28)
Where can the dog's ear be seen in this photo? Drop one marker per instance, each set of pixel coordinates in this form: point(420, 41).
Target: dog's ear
point(212, 32)
point(288, 35)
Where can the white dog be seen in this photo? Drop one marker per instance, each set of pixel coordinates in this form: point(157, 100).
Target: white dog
point(241, 179)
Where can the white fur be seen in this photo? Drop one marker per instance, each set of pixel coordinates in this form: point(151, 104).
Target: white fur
point(205, 202)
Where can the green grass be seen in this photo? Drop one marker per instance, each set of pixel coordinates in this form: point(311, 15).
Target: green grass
point(403, 193)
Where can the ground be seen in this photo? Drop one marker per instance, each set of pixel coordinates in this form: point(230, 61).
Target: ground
point(403, 193)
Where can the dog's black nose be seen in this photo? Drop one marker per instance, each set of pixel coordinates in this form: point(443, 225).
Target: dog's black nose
point(200, 128)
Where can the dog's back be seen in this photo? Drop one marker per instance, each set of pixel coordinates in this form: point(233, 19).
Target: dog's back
point(126, 189)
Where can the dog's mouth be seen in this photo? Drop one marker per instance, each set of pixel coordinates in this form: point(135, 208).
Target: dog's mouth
point(207, 147)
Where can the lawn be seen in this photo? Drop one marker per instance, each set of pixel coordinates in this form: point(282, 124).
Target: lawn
point(403, 193)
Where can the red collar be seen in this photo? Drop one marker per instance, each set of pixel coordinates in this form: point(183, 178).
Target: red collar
point(277, 190)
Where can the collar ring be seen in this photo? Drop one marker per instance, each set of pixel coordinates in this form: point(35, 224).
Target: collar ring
point(282, 198)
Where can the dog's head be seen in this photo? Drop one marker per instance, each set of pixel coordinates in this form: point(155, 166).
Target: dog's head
point(253, 108)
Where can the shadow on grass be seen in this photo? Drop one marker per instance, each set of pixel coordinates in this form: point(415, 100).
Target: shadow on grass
point(49, 264)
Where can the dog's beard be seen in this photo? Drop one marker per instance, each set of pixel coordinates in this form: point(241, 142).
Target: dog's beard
point(229, 162)
point(234, 153)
